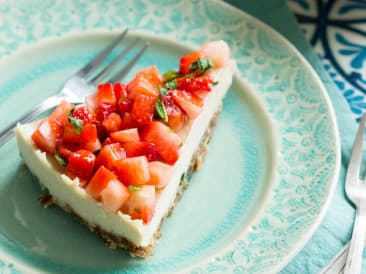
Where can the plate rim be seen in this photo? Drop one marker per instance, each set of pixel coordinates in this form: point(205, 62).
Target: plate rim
point(306, 236)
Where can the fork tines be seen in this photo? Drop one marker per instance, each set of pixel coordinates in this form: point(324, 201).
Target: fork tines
point(104, 73)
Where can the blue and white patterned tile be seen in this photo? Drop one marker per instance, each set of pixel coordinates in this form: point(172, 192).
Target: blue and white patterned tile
point(337, 31)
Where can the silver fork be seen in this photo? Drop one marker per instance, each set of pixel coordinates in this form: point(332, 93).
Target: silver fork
point(356, 192)
point(82, 83)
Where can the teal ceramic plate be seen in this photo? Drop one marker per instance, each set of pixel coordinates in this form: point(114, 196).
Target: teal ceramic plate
point(272, 165)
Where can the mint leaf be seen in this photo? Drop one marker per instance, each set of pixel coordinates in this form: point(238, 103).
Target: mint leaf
point(61, 161)
point(134, 188)
point(163, 91)
point(202, 64)
point(161, 110)
point(76, 123)
point(171, 75)
point(171, 85)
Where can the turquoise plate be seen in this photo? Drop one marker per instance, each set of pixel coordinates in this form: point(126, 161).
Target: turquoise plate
point(272, 166)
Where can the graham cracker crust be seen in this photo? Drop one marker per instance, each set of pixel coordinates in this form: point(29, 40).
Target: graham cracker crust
point(113, 241)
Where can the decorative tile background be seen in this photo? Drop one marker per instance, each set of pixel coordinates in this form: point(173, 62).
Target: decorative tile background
point(337, 31)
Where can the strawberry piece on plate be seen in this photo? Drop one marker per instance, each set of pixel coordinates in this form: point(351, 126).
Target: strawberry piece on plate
point(186, 61)
point(133, 171)
point(176, 117)
point(191, 104)
point(114, 195)
point(141, 203)
point(166, 141)
point(126, 135)
point(47, 135)
point(81, 164)
point(140, 148)
point(143, 108)
point(109, 155)
point(112, 122)
point(160, 174)
point(100, 181)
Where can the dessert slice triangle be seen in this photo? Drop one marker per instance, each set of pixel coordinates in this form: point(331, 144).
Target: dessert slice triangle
point(120, 161)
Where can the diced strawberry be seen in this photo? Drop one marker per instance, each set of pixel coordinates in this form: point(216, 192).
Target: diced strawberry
point(112, 122)
point(89, 138)
point(83, 113)
point(141, 203)
point(70, 135)
point(103, 110)
point(61, 112)
point(143, 108)
point(140, 148)
point(152, 74)
point(142, 85)
point(160, 174)
point(218, 51)
point(65, 150)
point(120, 90)
point(128, 121)
point(48, 135)
point(191, 104)
point(133, 171)
point(201, 83)
point(126, 135)
point(167, 142)
point(109, 155)
point(114, 195)
point(81, 164)
point(99, 182)
point(187, 60)
point(106, 94)
point(176, 117)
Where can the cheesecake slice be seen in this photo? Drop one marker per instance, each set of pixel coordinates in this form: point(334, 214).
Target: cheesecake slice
point(119, 161)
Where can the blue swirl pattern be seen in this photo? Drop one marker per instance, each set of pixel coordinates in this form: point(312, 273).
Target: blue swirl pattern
point(336, 30)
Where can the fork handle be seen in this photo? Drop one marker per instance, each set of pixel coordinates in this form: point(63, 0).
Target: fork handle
point(354, 257)
point(47, 104)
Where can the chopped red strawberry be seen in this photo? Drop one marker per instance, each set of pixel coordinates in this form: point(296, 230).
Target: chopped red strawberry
point(99, 182)
point(48, 135)
point(152, 74)
point(109, 155)
point(112, 122)
point(143, 108)
point(140, 148)
point(114, 195)
point(187, 60)
point(128, 121)
point(141, 203)
point(176, 117)
point(126, 135)
point(61, 112)
point(81, 164)
point(103, 110)
point(201, 83)
point(167, 142)
point(191, 104)
point(142, 85)
point(106, 94)
point(65, 150)
point(160, 174)
point(83, 113)
point(133, 171)
point(120, 91)
point(89, 138)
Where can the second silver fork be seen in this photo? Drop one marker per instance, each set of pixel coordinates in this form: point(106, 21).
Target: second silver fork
point(83, 82)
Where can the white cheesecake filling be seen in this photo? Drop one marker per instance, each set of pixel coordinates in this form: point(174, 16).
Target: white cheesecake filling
point(68, 193)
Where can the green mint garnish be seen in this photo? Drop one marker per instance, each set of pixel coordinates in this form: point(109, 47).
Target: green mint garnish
point(202, 64)
point(161, 110)
point(76, 123)
point(134, 188)
point(215, 83)
point(61, 161)
point(171, 85)
point(171, 75)
point(163, 91)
